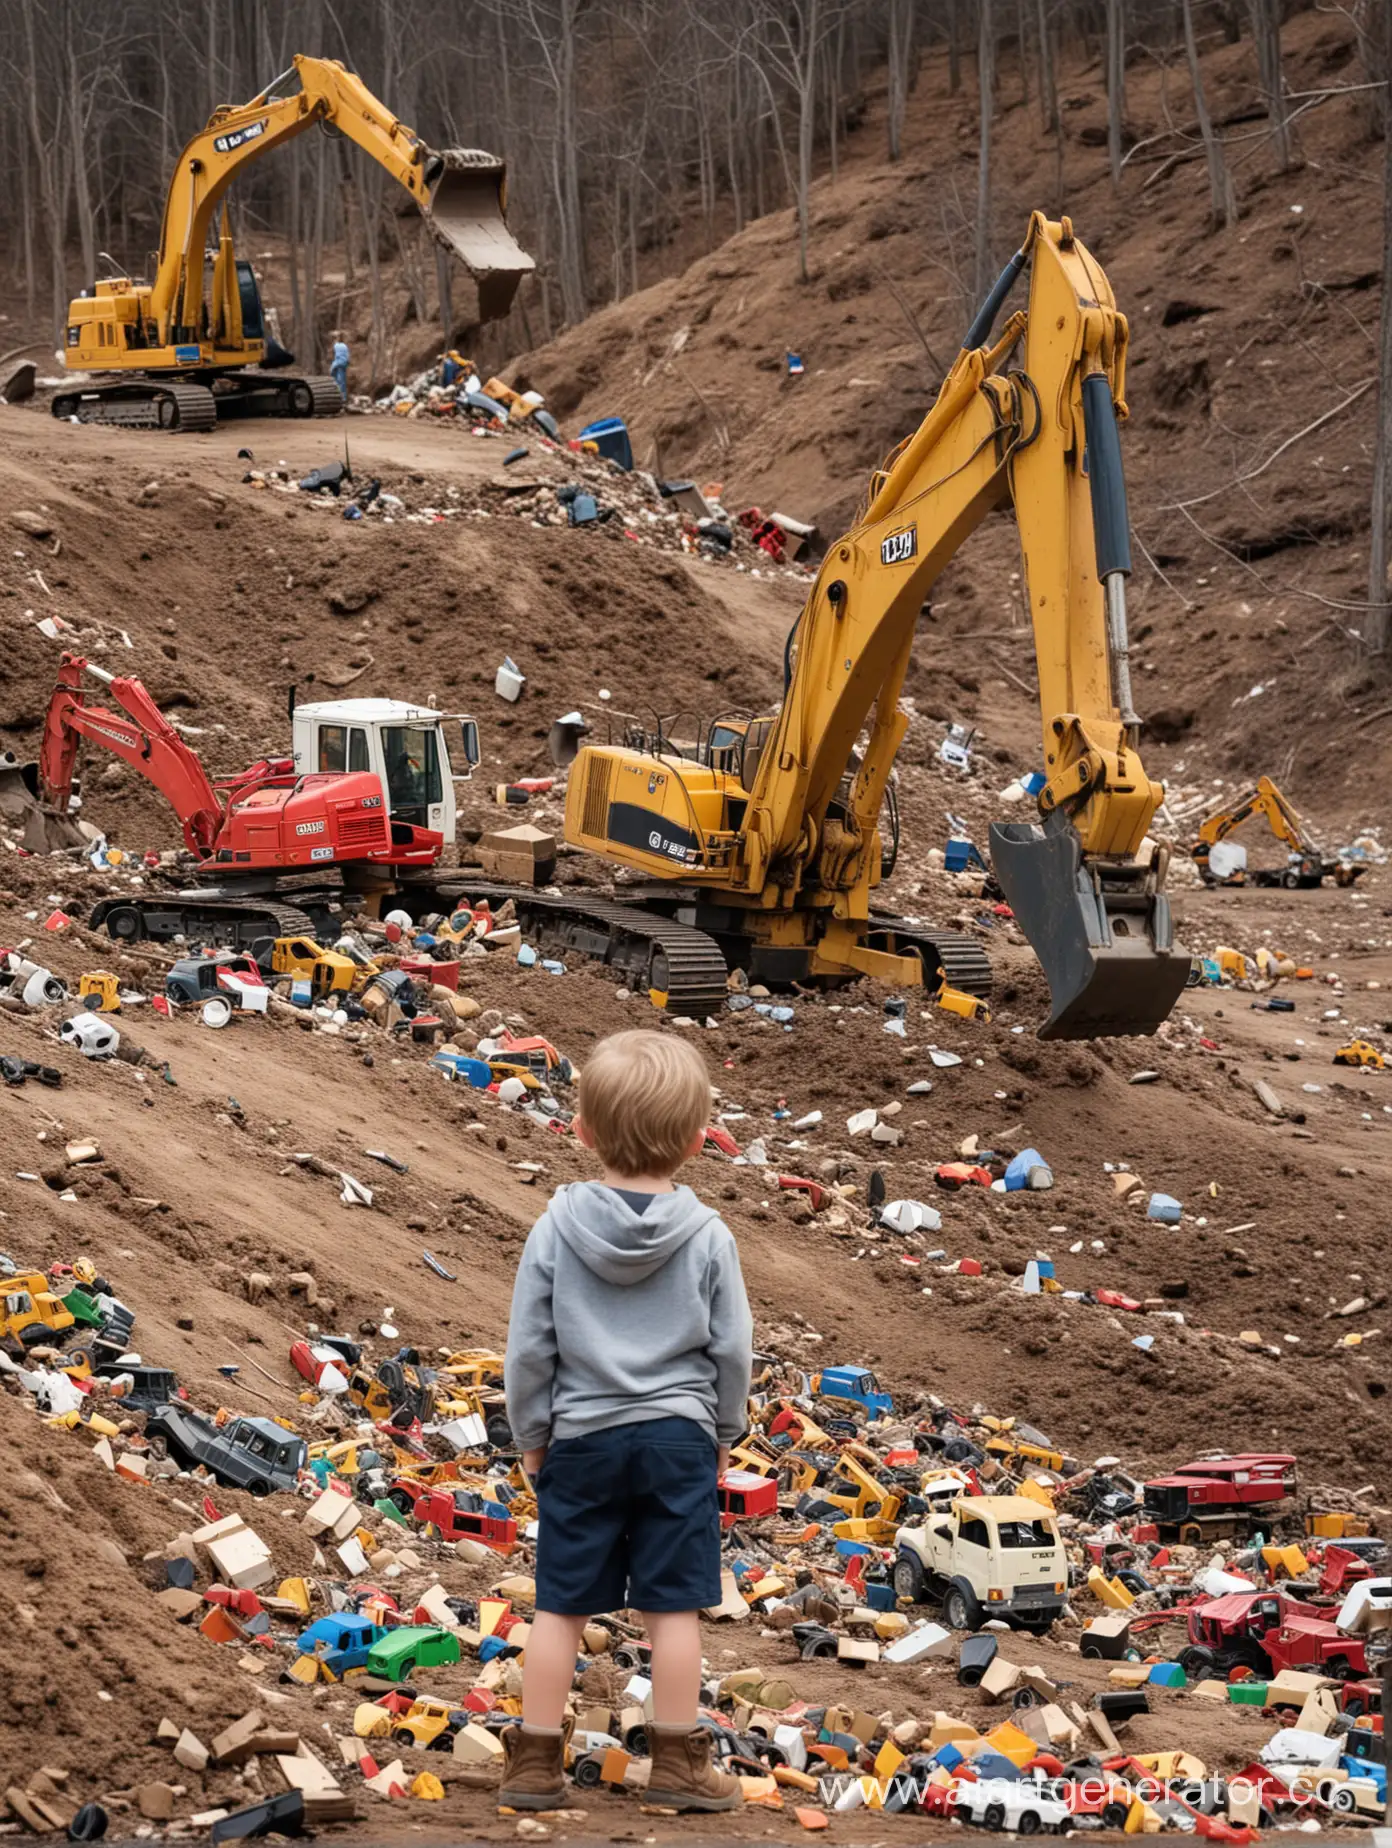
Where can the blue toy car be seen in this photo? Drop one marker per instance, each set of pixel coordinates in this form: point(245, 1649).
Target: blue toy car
point(854, 1383)
point(341, 1643)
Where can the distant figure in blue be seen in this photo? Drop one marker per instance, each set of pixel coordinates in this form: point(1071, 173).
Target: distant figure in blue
point(339, 367)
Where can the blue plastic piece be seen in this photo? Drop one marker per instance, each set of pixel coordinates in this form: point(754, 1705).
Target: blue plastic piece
point(610, 437)
point(1167, 1675)
point(583, 510)
point(948, 1756)
point(491, 1646)
point(1033, 783)
point(852, 1549)
point(1017, 1175)
point(961, 854)
point(459, 1065)
point(995, 1764)
point(880, 1597)
point(1165, 1208)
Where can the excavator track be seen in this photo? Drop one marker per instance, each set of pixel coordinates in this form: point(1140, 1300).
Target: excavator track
point(177, 405)
point(234, 922)
point(248, 393)
point(959, 960)
point(668, 959)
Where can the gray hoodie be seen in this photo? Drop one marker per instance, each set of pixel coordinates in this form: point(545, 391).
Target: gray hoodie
point(620, 1316)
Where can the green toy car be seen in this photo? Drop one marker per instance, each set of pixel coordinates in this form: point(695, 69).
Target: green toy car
point(399, 1655)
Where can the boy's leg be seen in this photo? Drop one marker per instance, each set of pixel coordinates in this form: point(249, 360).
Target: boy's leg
point(676, 1665)
point(552, 1646)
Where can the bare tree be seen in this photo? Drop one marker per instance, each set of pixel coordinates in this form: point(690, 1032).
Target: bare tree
point(986, 82)
point(1222, 198)
point(796, 34)
point(1048, 83)
point(1266, 31)
point(1377, 619)
point(1116, 84)
point(898, 48)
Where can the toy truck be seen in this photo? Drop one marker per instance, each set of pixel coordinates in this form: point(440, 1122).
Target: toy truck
point(399, 1653)
point(1219, 1498)
point(31, 1313)
point(1266, 1632)
point(342, 1643)
point(456, 1513)
point(745, 1496)
point(247, 1453)
point(855, 1384)
point(990, 1556)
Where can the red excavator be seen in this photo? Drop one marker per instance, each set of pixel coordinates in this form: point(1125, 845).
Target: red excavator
point(267, 817)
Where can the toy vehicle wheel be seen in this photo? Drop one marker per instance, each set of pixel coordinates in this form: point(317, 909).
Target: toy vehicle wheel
point(626, 1656)
point(1290, 881)
point(1342, 1799)
point(962, 1609)
point(258, 1489)
point(400, 1499)
point(499, 1432)
point(406, 1669)
point(124, 923)
point(1023, 1698)
point(908, 1578)
point(1197, 1662)
point(1029, 1823)
point(442, 1742)
point(586, 1773)
point(636, 1742)
point(993, 1817)
point(1114, 1815)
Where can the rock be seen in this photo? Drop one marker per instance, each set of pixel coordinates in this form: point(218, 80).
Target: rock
point(35, 524)
point(257, 1284)
point(113, 777)
point(1268, 1098)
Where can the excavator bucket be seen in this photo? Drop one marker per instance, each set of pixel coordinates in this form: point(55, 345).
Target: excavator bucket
point(1103, 938)
point(37, 827)
point(468, 189)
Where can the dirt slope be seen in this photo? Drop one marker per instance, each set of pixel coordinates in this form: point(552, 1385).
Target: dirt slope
point(1240, 339)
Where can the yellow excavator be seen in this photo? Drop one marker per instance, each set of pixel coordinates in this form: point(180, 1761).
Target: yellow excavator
point(765, 835)
point(1305, 865)
point(193, 344)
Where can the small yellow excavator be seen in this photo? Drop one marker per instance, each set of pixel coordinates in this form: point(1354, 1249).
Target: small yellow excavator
point(765, 835)
point(191, 346)
point(1305, 865)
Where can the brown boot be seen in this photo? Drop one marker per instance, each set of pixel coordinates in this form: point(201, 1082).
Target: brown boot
point(533, 1768)
point(682, 1775)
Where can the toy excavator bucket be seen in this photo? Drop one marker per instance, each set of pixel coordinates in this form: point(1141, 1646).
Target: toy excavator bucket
point(467, 193)
point(37, 827)
point(1103, 936)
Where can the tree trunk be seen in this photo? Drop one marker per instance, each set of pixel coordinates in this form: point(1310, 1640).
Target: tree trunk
point(954, 51)
point(1378, 620)
point(1222, 198)
point(986, 81)
point(1048, 86)
point(1266, 30)
point(899, 51)
point(1116, 84)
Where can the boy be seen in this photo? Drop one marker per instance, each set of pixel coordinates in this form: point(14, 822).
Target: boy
point(628, 1361)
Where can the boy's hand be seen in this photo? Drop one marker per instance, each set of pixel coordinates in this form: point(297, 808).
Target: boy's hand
point(722, 1459)
point(532, 1461)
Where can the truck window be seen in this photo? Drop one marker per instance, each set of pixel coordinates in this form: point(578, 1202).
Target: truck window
point(974, 1532)
point(19, 1304)
point(333, 747)
point(413, 765)
point(1025, 1533)
point(357, 749)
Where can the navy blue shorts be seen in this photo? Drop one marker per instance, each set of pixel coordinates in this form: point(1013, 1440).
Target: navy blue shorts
point(629, 1517)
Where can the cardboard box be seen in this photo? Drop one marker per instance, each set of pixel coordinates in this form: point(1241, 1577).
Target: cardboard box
point(525, 854)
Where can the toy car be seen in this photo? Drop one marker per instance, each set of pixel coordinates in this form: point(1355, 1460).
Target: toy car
point(991, 1556)
point(856, 1384)
point(1360, 1052)
point(309, 1358)
point(1266, 1632)
point(1219, 1496)
point(430, 1723)
point(247, 1453)
point(342, 1643)
point(745, 1496)
point(457, 1513)
point(1026, 1806)
point(397, 1655)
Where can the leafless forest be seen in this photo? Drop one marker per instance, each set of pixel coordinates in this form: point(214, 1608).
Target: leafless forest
point(638, 132)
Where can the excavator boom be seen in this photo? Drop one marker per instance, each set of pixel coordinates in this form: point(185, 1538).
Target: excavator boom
point(777, 842)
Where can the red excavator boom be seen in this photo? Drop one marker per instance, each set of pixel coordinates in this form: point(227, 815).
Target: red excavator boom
point(267, 817)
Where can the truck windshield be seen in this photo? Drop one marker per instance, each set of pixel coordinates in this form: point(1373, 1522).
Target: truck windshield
point(1025, 1533)
point(413, 766)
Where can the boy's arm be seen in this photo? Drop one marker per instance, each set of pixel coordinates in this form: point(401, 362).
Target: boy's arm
point(529, 1370)
point(731, 1343)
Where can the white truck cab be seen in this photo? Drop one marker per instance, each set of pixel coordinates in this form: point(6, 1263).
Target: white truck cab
point(416, 753)
point(986, 1556)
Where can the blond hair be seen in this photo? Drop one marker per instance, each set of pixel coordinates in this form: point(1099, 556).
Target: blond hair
point(644, 1097)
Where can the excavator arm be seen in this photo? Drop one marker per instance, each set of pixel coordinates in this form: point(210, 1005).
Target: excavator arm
point(1266, 799)
point(142, 737)
point(460, 192)
point(785, 849)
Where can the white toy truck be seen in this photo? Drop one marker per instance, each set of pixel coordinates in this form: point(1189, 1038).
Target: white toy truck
point(986, 1556)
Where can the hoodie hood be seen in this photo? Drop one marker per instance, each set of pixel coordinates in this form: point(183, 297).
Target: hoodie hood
point(615, 1242)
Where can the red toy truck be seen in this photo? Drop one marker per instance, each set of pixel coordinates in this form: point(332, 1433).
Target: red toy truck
point(1265, 1632)
point(1219, 1497)
point(458, 1514)
point(744, 1496)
